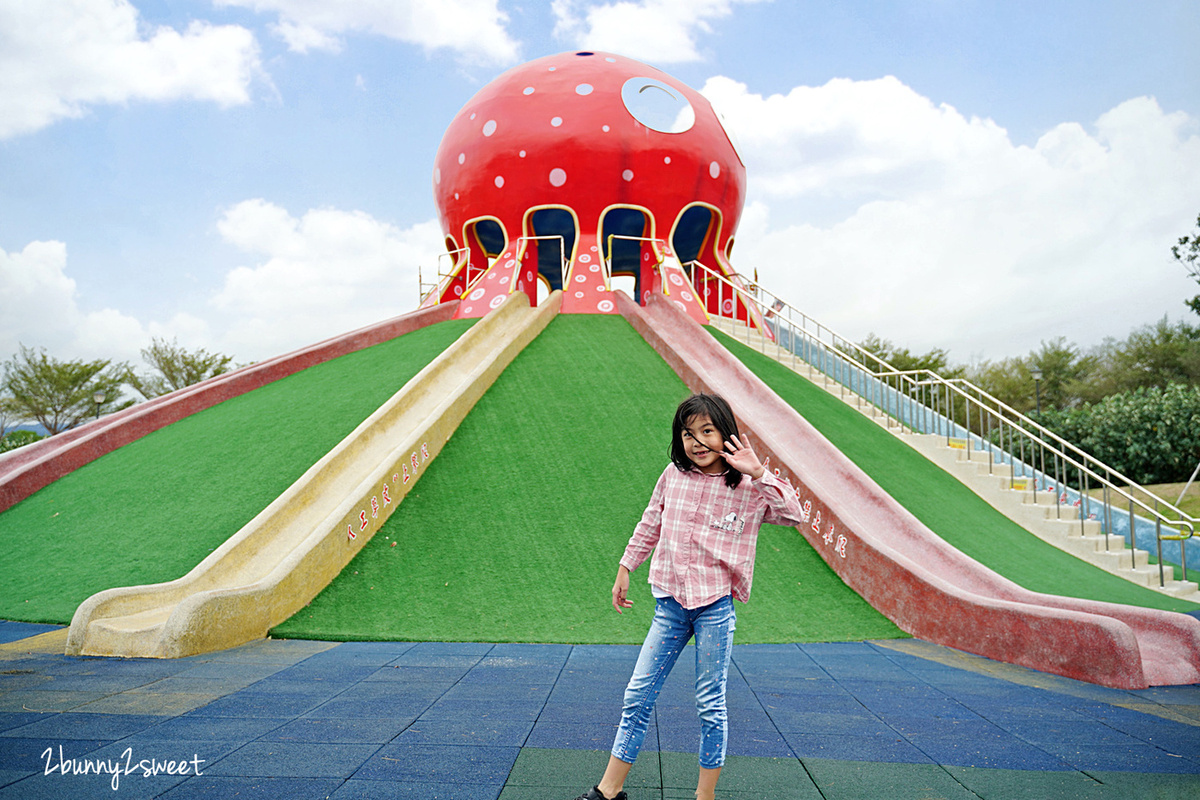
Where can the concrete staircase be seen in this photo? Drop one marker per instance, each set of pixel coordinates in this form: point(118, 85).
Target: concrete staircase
point(1038, 513)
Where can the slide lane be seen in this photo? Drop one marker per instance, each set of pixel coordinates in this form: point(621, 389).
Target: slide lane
point(25, 470)
point(903, 569)
point(291, 550)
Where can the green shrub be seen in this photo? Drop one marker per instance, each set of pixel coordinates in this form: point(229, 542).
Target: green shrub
point(1151, 435)
point(14, 439)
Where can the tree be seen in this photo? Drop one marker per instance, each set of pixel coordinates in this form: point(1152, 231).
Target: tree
point(1065, 370)
point(936, 360)
point(1008, 380)
point(59, 394)
point(1187, 253)
point(176, 366)
point(1152, 356)
point(9, 413)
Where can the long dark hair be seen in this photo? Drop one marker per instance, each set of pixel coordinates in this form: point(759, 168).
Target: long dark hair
point(717, 410)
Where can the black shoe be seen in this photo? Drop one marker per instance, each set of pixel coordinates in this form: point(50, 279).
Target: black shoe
point(595, 794)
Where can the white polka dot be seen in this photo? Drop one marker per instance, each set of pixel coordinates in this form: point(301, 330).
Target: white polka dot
point(489, 127)
point(462, 157)
point(456, 195)
point(579, 294)
point(529, 275)
point(475, 295)
point(521, 154)
point(499, 181)
point(675, 279)
point(553, 68)
point(458, 291)
point(585, 258)
point(667, 160)
point(437, 175)
point(512, 262)
point(580, 278)
point(627, 174)
point(467, 310)
point(593, 267)
point(686, 295)
point(497, 300)
point(714, 169)
point(645, 256)
point(556, 121)
point(605, 128)
point(472, 115)
point(646, 296)
point(595, 248)
point(611, 60)
point(584, 89)
point(558, 176)
point(605, 305)
point(727, 307)
point(682, 307)
point(528, 90)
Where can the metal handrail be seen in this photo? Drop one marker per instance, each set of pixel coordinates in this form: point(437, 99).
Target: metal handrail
point(444, 278)
point(562, 254)
point(1010, 424)
point(606, 256)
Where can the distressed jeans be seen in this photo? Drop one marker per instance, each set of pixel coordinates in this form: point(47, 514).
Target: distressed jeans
point(673, 626)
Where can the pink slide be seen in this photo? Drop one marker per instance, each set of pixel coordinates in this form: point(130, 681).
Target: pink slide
point(27, 469)
point(906, 571)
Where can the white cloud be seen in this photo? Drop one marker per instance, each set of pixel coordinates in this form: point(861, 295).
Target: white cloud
point(323, 274)
point(59, 58)
point(474, 28)
point(895, 215)
point(658, 31)
point(38, 309)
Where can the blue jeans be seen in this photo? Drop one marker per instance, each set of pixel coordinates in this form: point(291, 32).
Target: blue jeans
point(673, 626)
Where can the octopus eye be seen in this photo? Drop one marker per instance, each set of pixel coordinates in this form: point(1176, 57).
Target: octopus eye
point(657, 106)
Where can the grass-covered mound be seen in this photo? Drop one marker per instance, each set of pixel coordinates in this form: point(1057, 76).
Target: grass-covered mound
point(513, 533)
point(153, 509)
point(940, 501)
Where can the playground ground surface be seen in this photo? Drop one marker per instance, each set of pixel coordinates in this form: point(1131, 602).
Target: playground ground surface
point(450, 721)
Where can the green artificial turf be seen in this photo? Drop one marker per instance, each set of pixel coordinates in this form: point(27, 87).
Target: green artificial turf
point(943, 503)
point(514, 532)
point(153, 509)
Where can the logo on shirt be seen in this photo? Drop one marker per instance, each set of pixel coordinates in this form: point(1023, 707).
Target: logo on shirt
point(728, 523)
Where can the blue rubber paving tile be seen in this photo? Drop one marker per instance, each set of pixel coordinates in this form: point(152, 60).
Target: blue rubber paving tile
point(15, 631)
point(339, 731)
point(439, 764)
point(887, 748)
point(1125, 758)
point(71, 725)
point(17, 719)
point(408, 790)
point(430, 720)
point(212, 787)
point(191, 726)
point(294, 760)
point(36, 754)
point(493, 730)
point(589, 736)
point(244, 704)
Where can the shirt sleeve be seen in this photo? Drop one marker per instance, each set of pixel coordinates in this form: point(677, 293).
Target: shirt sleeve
point(649, 528)
point(783, 506)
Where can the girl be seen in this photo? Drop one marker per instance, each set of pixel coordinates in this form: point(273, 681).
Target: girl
point(702, 523)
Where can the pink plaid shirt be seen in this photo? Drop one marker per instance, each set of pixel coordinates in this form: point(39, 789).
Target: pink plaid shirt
point(704, 534)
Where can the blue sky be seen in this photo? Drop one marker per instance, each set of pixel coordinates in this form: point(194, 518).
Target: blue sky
point(251, 176)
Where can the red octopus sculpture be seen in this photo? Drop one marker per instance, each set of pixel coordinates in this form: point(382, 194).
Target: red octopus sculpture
point(575, 167)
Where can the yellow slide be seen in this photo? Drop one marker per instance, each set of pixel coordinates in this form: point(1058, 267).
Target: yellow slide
point(288, 553)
